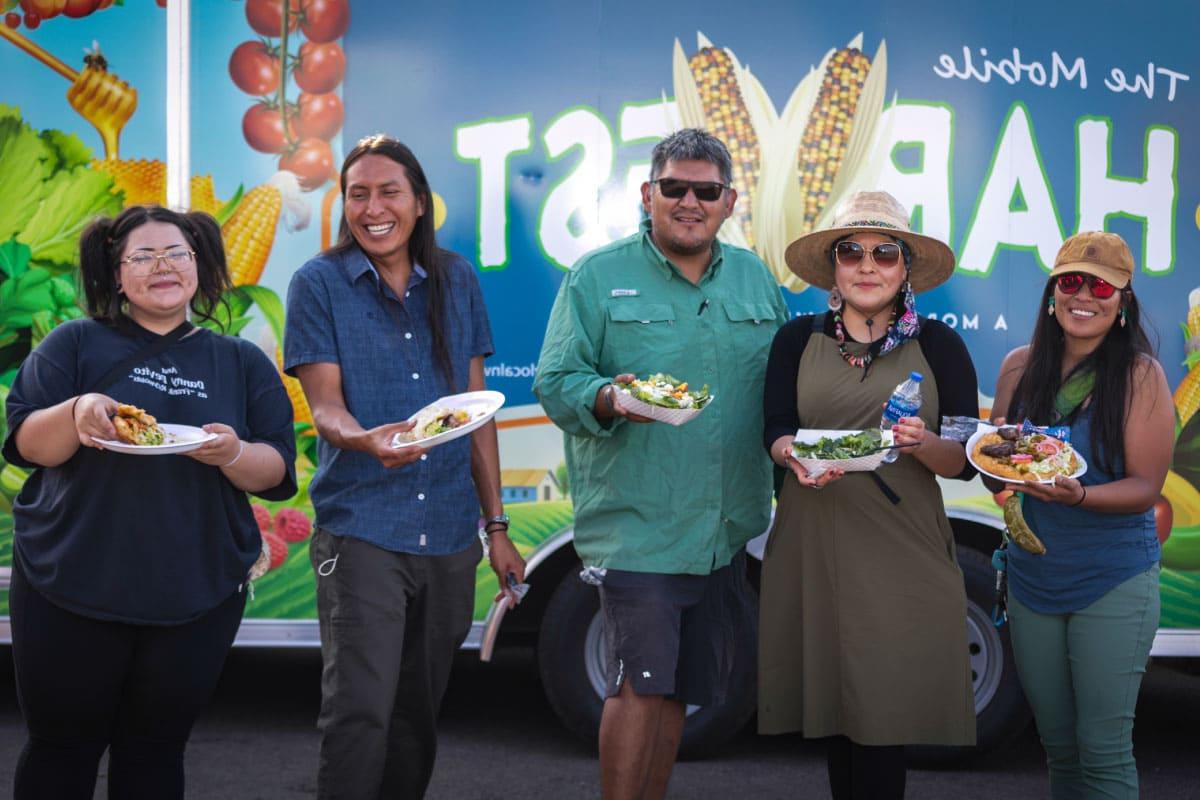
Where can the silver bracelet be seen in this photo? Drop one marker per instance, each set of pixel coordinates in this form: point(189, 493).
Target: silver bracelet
point(241, 449)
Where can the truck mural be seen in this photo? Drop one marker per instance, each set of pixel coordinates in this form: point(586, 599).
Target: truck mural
point(535, 124)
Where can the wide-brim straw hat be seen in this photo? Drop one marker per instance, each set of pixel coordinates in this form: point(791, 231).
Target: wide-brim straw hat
point(810, 256)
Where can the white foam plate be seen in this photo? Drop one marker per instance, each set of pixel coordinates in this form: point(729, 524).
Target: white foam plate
point(982, 431)
point(176, 439)
point(816, 466)
point(482, 406)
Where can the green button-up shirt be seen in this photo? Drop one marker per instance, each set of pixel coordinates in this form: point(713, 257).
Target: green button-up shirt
point(653, 497)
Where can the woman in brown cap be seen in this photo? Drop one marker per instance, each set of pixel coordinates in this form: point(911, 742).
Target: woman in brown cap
point(1084, 613)
point(863, 634)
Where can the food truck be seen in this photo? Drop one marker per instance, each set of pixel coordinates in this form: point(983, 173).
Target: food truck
point(1003, 131)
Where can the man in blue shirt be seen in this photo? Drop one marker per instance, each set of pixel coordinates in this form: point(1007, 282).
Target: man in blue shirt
point(378, 327)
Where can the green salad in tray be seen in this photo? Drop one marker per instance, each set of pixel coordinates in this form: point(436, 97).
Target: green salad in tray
point(829, 448)
point(667, 392)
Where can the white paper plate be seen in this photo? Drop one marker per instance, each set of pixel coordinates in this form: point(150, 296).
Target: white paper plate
point(816, 466)
point(482, 406)
point(176, 439)
point(982, 431)
point(672, 416)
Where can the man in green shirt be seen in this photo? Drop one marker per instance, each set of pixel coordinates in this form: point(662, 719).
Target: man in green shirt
point(661, 511)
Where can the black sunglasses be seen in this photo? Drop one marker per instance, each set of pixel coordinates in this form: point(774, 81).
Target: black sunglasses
point(851, 254)
point(677, 189)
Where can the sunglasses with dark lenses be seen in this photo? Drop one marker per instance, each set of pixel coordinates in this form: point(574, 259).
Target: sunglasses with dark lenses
point(1072, 282)
point(850, 254)
point(677, 189)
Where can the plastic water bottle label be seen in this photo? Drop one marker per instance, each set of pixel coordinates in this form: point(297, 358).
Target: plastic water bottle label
point(898, 407)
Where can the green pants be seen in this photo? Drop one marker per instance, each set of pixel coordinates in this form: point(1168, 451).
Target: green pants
point(1081, 673)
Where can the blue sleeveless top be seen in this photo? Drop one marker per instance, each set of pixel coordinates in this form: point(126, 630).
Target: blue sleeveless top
point(1088, 553)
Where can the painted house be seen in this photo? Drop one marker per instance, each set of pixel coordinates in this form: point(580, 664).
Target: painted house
point(528, 486)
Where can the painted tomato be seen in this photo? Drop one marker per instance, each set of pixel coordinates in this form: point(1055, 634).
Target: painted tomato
point(311, 161)
point(324, 20)
point(254, 68)
point(266, 17)
point(321, 67)
point(43, 9)
point(262, 127)
point(321, 116)
point(80, 8)
point(1164, 518)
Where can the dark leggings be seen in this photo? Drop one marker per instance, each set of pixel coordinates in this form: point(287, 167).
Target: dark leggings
point(85, 685)
point(865, 772)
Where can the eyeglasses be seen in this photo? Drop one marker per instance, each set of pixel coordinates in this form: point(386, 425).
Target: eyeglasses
point(1072, 282)
point(143, 263)
point(677, 189)
point(850, 254)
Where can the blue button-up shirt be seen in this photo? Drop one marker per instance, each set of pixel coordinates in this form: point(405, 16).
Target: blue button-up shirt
point(340, 312)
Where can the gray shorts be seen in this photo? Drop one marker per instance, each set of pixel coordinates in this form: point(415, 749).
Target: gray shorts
point(672, 635)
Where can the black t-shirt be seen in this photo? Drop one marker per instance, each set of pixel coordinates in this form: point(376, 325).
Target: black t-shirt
point(134, 538)
point(957, 386)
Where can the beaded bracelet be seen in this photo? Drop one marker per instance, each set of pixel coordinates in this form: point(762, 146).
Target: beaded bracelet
point(1082, 497)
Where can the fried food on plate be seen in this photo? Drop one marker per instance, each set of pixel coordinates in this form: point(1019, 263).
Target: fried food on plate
point(135, 426)
point(1024, 457)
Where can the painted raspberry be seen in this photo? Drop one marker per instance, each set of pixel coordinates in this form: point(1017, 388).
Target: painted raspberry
point(277, 548)
point(292, 525)
point(263, 517)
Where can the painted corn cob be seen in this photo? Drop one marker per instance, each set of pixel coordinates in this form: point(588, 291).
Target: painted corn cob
point(300, 407)
point(1187, 394)
point(144, 182)
point(824, 142)
point(727, 118)
point(250, 232)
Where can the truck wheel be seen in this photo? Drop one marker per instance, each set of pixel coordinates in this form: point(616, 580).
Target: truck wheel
point(571, 663)
point(1001, 711)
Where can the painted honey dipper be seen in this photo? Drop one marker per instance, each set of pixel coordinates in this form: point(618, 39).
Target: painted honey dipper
point(99, 96)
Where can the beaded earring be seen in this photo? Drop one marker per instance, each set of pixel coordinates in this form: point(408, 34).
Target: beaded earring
point(1121, 316)
point(1050, 308)
point(835, 300)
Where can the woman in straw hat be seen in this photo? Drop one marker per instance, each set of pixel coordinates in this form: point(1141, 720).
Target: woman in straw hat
point(863, 638)
point(1084, 613)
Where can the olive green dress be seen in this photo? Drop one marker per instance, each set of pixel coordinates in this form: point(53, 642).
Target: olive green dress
point(863, 611)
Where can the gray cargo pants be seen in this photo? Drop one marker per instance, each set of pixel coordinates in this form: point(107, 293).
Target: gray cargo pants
point(390, 626)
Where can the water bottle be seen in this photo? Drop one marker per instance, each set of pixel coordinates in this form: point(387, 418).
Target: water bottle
point(904, 402)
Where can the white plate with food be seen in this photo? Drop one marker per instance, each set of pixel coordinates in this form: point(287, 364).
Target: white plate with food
point(818, 450)
point(663, 398)
point(175, 439)
point(450, 417)
point(1007, 454)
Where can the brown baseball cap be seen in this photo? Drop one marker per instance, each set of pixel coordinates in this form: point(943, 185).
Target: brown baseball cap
point(1098, 253)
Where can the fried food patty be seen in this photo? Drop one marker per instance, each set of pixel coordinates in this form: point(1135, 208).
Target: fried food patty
point(135, 426)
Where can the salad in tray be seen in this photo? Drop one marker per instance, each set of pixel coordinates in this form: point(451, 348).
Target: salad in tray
point(666, 392)
point(834, 448)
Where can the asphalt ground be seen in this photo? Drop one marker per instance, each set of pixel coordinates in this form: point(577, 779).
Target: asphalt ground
point(500, 741)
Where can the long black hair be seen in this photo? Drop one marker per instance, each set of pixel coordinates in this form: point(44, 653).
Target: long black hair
point(422, 244)
point(103, 242)
point(1114, 362)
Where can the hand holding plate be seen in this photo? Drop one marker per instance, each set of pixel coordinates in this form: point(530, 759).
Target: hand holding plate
point(609, 406)
point(221, 451)
point(93, 418)
point(378, 442)
point(1068, 491)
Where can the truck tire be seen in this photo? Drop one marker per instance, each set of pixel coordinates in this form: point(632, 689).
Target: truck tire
point(570, 657)
point(1001, 711)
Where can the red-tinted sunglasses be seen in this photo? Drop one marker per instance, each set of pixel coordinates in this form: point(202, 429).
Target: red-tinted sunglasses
point(1072, 282)
point(850, 254)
